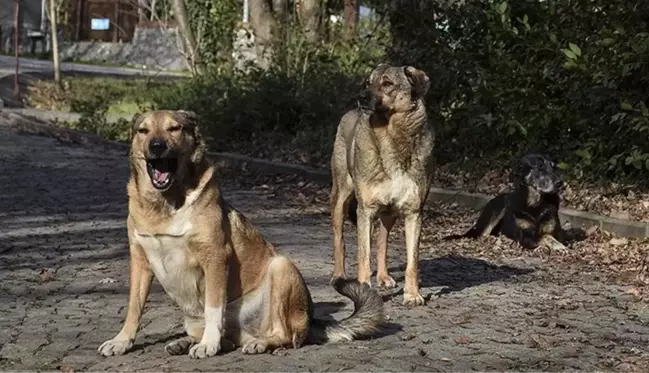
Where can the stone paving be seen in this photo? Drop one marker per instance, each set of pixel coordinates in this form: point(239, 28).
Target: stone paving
point(63, 288)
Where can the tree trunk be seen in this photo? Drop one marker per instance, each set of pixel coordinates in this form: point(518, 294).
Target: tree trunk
point(310, 14)
point(263, 23)
point(350, 16)
point(56, 58)
point(280, 8)
point(185, 29)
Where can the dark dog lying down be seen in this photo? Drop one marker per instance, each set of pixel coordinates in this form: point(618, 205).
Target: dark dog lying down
point(529, 214)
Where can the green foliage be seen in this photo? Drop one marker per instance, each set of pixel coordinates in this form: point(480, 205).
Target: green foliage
point(294, 105)
point(567, 77)
point(213, 22)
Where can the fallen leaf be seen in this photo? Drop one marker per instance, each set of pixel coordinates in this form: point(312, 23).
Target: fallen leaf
point(445, 359)
point(67, 369)
point(463, 340)
point(47, 274)
point(618, 241)
point(633, 291)
point(107, 280)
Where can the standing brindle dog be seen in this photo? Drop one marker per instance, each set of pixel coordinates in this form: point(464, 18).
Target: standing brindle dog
point(529, 214)
point(382, 163)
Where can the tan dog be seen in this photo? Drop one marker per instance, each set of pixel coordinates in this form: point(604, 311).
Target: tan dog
point(382, 162)
point(231, 285)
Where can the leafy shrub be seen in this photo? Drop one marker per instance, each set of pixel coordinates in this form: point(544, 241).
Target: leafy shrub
point(567, 77)
point(295, 104)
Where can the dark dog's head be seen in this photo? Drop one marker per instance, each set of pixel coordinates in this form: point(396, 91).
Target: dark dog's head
point(392, 89)
point(166, 144)
point(538, 172)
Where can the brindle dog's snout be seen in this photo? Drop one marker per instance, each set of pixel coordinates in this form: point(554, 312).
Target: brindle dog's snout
point(157, 147)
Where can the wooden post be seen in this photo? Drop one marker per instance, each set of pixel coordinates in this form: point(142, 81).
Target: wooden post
point(77, 26)
point(116, 22)
point(17, 44)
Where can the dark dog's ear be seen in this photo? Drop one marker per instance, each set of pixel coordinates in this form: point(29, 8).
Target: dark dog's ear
point(418, 80)
point(191, 122)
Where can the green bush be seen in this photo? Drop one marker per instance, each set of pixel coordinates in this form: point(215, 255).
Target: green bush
point(566, 77)
point(295, 105)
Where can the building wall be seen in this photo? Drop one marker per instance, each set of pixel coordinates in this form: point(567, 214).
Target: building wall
point(153, 48)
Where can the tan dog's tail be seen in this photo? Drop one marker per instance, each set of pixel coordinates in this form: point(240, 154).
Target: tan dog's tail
point(367, 317)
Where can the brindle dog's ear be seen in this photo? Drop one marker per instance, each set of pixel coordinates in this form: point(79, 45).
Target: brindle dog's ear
point(191, 121)
point(418, 80)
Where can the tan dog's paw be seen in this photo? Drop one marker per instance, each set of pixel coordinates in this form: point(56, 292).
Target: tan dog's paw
point(336, 277)
point(256, 346)
point(180, 346)
point(203, 350)
point(115, 347)
point(413, 300)
point(386, 281)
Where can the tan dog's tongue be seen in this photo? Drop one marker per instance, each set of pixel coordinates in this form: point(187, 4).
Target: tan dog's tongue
point(160, 176)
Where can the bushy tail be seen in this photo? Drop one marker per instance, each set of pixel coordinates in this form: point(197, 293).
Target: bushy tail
point(367, 317)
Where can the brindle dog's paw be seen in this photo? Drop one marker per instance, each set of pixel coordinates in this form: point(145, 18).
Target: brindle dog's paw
point(205, 349)
point(256, 346)
point(115, 347)
point(386, 281)
point(552, 245)
point(180, 346)
point(413, 300)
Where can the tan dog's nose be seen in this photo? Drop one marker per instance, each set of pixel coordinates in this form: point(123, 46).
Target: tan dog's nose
point(157, 147)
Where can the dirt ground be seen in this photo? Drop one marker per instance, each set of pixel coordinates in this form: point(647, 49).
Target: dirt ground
point(490, 307)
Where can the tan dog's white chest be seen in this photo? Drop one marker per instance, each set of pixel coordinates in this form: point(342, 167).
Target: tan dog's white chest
point(402, 190)
point(173, 264)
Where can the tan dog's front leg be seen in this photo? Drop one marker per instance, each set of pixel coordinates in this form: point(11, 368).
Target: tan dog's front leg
point(411, 295)
point(215, 267)
point(364, 236)
point(382, 276)
point(140, 278)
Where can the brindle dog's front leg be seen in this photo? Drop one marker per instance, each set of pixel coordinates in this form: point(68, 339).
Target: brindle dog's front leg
point(364, 235)
point(140, 278)
point(411, 295)
point(214, 261)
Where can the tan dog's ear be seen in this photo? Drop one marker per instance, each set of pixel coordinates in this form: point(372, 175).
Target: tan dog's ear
point(191, 121)
point(135, 123)
point(418, 79)
point(378, 70)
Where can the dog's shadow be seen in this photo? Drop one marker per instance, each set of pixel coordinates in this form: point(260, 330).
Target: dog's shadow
point(455, 273)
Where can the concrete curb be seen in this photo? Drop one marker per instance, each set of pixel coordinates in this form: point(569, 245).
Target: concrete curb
point(474, 201)
point(21, 119)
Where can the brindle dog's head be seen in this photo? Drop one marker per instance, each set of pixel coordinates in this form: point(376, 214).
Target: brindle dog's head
point(392, 89)
point(538, 172)
point(167, 145)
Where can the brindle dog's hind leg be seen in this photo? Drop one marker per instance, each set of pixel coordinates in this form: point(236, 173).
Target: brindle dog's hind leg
point(490, 219)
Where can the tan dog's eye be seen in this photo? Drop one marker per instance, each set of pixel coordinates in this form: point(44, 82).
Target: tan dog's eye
point(387, 83)
point(143, 131)
point(174, 129)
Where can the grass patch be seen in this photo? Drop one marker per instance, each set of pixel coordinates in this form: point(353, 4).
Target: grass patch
point(89, 95)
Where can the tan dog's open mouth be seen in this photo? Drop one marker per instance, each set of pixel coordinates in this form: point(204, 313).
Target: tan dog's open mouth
point(162, 171)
